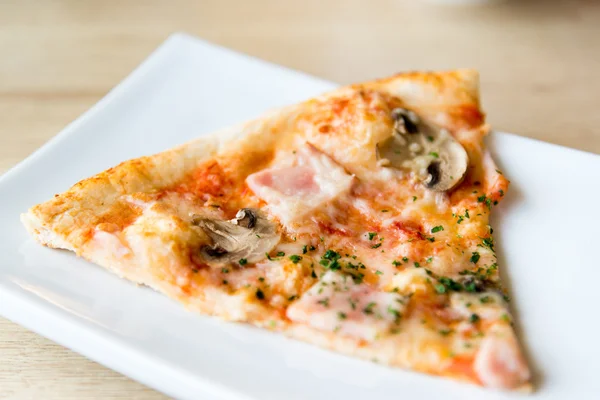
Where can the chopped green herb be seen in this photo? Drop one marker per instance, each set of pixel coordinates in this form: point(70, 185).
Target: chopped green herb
point(372, 235)
point(489, 243)
point(450, 284)
point(506, 298)
point(405, 259)
point(330, 260)
point(430, 138)
point(467, 213)
point(358, 278)
point(385, 210)
point(375, 246)
point(431, 239)
point(475, 257)
point(437, 229)
point(505, 317)
point(486, 299)
point(395, 313)
point(304, 249)
point(258, 236)
point(292, 297)
point(470, 286)
point(312, 274)
point(324, 302)
point(342, 315)
point(225, 270)
point(474, 318)
point(295, 258)
point(331, 255)
point(441, 289)
point(501, 192)
point(414, 198)
point(417, 265)
point(225, 282)
point(434, 154)
point(378, 272)
point(243, 261)
point(429, 259)
point(259, 294)
point(445, 332)
point(280, 254)
point(261, 279)
point(369, 308)
point(396, 263)
point(481, 199)
point(352, 303)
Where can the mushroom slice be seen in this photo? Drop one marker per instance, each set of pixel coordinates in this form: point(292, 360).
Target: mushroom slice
point(431, 153)
point(248, 236)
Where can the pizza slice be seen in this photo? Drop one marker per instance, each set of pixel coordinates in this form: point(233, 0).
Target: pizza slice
point(357, 221)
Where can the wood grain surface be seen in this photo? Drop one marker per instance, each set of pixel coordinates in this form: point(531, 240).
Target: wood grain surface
point(539, 61)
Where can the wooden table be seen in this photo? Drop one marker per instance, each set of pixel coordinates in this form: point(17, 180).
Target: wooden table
point(539, 61)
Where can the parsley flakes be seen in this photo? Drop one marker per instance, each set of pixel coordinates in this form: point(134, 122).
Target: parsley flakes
point(324, 302)
point(330, 260)
point(475, 257)
point(436, 229)
point(369, 308)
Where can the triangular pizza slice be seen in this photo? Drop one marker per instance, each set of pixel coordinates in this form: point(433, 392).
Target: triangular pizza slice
point(357, 221)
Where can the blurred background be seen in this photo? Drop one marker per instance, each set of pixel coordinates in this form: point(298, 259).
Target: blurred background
point(539, 62)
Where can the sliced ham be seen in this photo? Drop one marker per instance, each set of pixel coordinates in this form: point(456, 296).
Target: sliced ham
point(337, 304)
point(291, 192)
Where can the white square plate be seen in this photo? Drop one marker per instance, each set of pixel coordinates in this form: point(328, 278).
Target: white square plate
point(546, 231)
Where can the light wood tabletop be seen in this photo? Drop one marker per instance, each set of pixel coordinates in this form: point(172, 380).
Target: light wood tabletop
point(539, 61)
